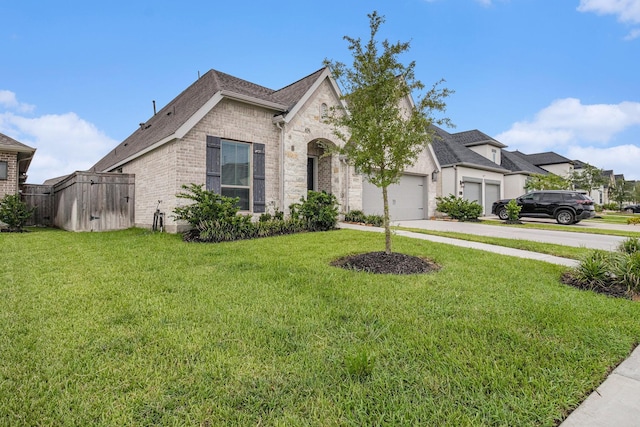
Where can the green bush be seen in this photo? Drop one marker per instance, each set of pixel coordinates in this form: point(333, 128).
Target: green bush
point(630, 245)
point(355, 216)
point(633, 221)
point(598, 208)
point(375, 220)
point(513, 210)
point(319, 211)
point(208, 206)
point(360, 217)
point(601, 270)
point(14, 212)
point(459, 208)
point(610, 206)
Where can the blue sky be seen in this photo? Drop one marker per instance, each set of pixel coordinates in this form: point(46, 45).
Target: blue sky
point(76, 78)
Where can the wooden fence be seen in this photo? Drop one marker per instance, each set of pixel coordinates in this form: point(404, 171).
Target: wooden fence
point(85, 201)
point(39, 197)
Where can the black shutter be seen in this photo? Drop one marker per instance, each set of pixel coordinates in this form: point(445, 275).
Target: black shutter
point(258, 178)
point(213, 164)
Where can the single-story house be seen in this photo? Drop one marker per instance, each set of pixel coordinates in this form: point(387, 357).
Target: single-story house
point(267, 147)
point(15, 158)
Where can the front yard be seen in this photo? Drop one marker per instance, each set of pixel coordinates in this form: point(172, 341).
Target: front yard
point(135, 328)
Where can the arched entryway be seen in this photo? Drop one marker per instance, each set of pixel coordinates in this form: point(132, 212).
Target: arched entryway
point(319, 166)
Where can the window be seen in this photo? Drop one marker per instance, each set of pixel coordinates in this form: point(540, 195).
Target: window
point(236, 172)
point(4, 169)
point(237, 169)
point(324, 111)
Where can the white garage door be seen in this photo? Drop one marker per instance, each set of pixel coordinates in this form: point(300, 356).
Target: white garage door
point(473, 191)
point(406, 199)
point(491, 194)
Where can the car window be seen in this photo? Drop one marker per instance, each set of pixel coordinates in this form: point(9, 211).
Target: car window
point(552, 197)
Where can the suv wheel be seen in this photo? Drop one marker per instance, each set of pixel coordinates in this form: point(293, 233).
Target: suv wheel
point(502, 213)
point(565, 217)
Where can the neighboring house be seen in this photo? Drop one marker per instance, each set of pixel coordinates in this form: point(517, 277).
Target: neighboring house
point(520, 170)
point(470, 163)
point(15, 158)
point(267, 147)
point(549, 161)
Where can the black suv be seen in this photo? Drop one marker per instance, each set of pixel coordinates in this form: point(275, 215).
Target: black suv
point(567, 207)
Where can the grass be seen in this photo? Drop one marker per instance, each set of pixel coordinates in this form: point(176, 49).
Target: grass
point(526, 245)
point(135, 328)
point(545, 226)
point(613, 218)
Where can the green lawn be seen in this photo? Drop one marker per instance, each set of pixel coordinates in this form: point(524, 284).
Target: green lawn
point(135, 328)
point(551, 226)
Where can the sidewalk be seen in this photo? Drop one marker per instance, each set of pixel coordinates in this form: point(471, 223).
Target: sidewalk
point(616, 402)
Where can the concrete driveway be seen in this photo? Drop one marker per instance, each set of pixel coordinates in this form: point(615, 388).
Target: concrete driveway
point(592, 241)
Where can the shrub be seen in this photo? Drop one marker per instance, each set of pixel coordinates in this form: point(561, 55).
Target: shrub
point(375, 220)
point(513, 210)
point(615, 273)
point(355, 216)
point(14, 212)
point(594, 269)
point(208, 206)
point(319, 211)
point(610, 206)
point(633, 221)
point(598, 208)
point(630, 245)
point(626, 271)
point(459, 208)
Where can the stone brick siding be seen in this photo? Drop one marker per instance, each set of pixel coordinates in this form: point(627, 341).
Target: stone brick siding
point(9, 185)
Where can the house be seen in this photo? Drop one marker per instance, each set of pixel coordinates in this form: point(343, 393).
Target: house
point(15, 158)
point(549, 161)
point(266, 147)
point(470, 163)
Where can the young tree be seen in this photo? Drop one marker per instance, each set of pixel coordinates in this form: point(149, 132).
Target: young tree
point(588, 178)
point(383, 135)
point(547, 182)
point(620, 192)
point(14, 212)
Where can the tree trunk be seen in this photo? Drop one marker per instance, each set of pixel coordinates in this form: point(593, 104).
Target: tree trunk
point(387, 227)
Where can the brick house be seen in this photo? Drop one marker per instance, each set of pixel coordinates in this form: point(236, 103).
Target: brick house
point(267, 147)
point(15, 158)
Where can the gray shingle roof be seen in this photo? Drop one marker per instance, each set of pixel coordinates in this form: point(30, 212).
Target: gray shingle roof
point(451, 152)
point(178, 111)
point(517, 163)
point(475, 137)
point(9, 144)
point(546, 158)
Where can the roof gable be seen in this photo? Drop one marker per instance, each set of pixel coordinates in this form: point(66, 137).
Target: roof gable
point(9, 144)
point(474, 137)
point(518, 164)
point(450, 152)
point(190, 106)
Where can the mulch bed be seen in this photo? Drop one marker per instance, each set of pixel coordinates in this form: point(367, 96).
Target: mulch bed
point(617, 291)
point(383, 263)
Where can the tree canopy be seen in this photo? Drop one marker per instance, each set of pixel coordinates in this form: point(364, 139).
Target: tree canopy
point(383, 129)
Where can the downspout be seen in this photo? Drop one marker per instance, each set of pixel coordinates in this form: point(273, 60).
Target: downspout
point(344, 161)
point(280, 124)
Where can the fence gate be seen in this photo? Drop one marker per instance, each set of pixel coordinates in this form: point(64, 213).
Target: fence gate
point(40, 198)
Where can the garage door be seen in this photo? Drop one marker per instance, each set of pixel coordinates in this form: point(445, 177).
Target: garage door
point(491, 194)
point(473, 191)
point(406, 199)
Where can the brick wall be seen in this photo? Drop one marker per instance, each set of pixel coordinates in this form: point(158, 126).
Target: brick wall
point(9, 185)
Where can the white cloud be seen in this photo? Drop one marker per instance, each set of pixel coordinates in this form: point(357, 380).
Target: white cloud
point(627, 11)
point(64, 142)
point(584, 132)
point(623, 159)
point(9, 101)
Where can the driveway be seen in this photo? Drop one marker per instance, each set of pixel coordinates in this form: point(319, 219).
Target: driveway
point(592, 241)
